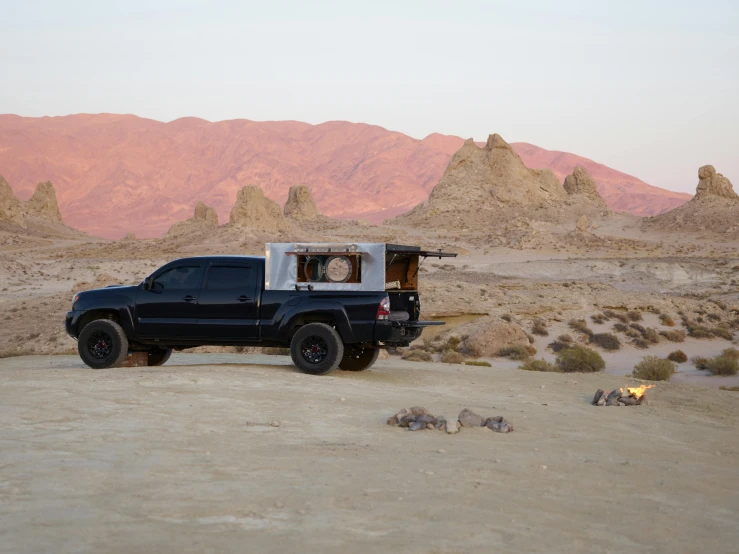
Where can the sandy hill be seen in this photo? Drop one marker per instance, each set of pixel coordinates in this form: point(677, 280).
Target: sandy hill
point(483, 187)
point(116, 174)
point(715, 207)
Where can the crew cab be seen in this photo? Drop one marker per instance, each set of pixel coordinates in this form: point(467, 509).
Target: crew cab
point(333, 305)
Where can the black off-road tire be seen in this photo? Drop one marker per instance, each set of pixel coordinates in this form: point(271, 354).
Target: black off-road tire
point(102, 344)
point(316, 348)
point(357, 358)
point(159, 356)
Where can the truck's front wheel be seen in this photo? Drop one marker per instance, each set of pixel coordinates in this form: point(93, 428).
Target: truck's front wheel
point(102, 344)
point(357, 358)
point(316, 348)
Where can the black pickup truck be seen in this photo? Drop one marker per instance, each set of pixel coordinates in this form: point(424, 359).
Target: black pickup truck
point(221, 300)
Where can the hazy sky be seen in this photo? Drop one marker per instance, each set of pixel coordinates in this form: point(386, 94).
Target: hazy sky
point(648, 87)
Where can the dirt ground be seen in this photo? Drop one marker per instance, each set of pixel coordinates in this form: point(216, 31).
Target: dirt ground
point(183, 458)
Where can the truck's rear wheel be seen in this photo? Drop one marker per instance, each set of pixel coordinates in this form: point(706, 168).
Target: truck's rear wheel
point(316, 348)
point(102, 344)
point(159, 356)
point(357, 358)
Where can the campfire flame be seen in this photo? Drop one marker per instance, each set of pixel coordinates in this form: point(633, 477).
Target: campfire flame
point(636, 392)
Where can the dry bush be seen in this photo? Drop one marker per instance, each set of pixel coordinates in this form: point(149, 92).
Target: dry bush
point(562, 342)
point(722, 332)
point(451, 357)
point(506, 317)
point(634, 315)
point(580, 325)
point(276, 351)
point(540, 328)
point(651, 335)
point(417, 356)
point(700, 362)
point(678, 356)
point(653, 368)
point(606, 341)
point(731, 353)
point(480, 363)
point(540, 365)
point(699, 332)
point(723, 365)
point(638, 327)
point(599, 318)
point(622, 317)
point(723, 387)
point(714, 317)
point(674, 336)
point(667, 320)
point(620, 327)
point(640, 343)
point(517, 352)
point(452, 343)
point(580, 359)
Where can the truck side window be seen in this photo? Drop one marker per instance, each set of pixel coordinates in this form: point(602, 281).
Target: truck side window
point(178, 278)
point(228, 277)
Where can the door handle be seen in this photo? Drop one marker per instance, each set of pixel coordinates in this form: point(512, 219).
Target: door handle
point(188, 298)
point(243, 298)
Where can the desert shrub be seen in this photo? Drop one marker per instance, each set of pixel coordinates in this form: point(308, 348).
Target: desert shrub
point(677, 356)
point(451, 357)
point(667, 320)
point(562, 342)
point(651, 335)
point(640, 343)
point(731, 353)
point(481, 363)
point(598, 318)
point(580, 325)
point(517, 352)
point(417, 356)
point(699, 319)
point(633, 334)
point(580, 359)
point(620, 327)
point(714, 317)
point(622, 317)
point(539, 365)
point(653, 368)
point(506, 317)
point(638, 327)
point(606, 341)
point(720, 304)
point(540, 328)
point(674, 336)
point(723, 333)
point(699, 332)
point(634, 315)
point(723, 365)
point(699, 362)
point(723, 387)
point(452, 343)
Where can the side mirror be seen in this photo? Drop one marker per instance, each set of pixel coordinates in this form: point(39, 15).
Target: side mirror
point(147, 283)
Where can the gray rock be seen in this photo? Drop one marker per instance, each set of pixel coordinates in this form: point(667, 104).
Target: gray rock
point(417, 426)
point(468, 418)
point(440, 422)
point(426, 418)
point(498, 424)
point(406, 420)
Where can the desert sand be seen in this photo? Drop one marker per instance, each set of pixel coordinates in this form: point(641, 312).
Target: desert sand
point(188, 458)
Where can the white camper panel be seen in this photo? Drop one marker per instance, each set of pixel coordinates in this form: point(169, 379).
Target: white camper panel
point(281, 268)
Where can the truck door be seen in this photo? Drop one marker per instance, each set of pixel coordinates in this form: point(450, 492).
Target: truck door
point(169, 308)
point(229, 302)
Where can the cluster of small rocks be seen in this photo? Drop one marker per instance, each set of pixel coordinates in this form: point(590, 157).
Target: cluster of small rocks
point(419, 418)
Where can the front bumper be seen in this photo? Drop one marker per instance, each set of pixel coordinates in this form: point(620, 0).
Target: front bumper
point(70, 323)
point(401, 333)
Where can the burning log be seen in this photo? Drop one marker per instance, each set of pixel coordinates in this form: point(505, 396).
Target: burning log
point(628, 396)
